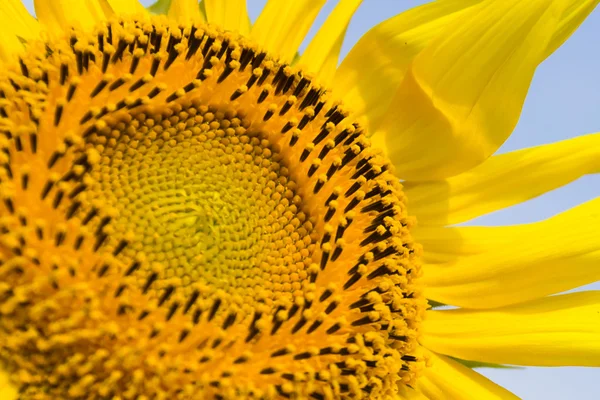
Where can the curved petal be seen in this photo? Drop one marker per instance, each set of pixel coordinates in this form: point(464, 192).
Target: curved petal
point(322, 54)
point(229, 14)
point(18, 20)
point(462, 95)
point(282, 25)
point(499, 182)
point(185, 11)
point(10, 45)
point(56, 16)
point(17, 25)
point(554, 331)
point(448, 379)
point(377, 64)
point(486, 267)
point(128, 7)
point(573, 16)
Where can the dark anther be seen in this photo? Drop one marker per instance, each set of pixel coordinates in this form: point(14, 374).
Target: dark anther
point(363, 321)
point(154, 67)
point(299, 325)
point(191, 301)
point(100, 241)
point(301, 85)
point(262, 96)
point(172, 311)
point(58, 114)
point(359, 303)
point(64, 73)
point(268, 115)
point(302, 356)
point(267, 371)
point(280, 352)
point(318, 186)
point(149, 282)
point(138, 84)
point(229, 320)
point(336, 253)
point(101, 85)
point(314, 326)
point(334, 328)
point(166, 295)
point(353, 279)
point(213, 310)
point(324, 259)
point(304, 155)
point(303, 122)
point(352, 189)
point(332, 306)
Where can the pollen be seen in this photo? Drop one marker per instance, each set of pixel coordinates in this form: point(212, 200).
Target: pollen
point(183, 216)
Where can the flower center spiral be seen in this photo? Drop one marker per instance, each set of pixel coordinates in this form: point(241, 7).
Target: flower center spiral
point(184, 217)
point(207, 202)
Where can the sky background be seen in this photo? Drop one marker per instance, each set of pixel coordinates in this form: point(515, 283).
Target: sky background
point(563, 102)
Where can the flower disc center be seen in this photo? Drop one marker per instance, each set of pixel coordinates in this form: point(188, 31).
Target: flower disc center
point(185, 217)
point(206, 199)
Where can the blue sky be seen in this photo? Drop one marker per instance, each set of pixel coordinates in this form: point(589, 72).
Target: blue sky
point(563, 102)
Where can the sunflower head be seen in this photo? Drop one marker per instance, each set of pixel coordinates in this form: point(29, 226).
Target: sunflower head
point(184, 212)
point(189, 209)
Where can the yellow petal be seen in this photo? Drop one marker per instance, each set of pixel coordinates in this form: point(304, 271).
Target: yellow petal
point(282, 25)
point(373, 70)
point(7, 390)
point(185, 11)
point(408, 393)
point(57, 16)
point(447, 379)
point(486, 267)
point(503, 181)
point(10, 45)
point(228, 14)
point(160, 7)
point(462, 95)
point(18, 19)
point(322, 54)
point(573, 16)
point(16, 23)
point(131, 7)
point(553, 331)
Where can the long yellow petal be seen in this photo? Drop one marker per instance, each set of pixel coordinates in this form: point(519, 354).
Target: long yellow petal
point(16, 23)
point(487, 267)
point(57, 16)
point(573, 16)
point(159, 7)
point(18, 19)
point(462, 95)
point(131, 7)
point(282, 25)
point(554, 331)
point(408, 393)
point(7, 390)
point(503, 181)
point(185, 11)
point(322, 54)
point(229, 14)
point(446, 379)
point(10, 45)
point(375, 67)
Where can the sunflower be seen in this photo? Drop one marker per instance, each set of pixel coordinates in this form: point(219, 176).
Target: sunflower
point(190, 209)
